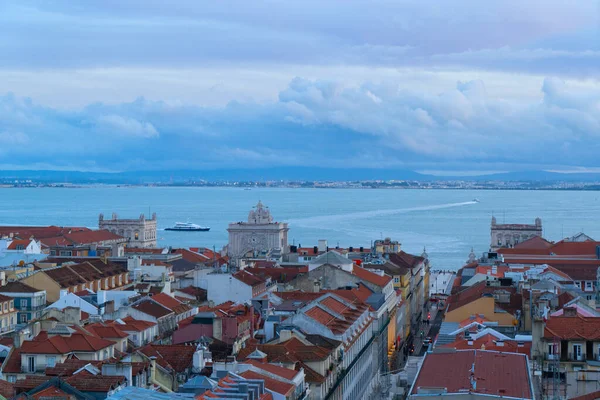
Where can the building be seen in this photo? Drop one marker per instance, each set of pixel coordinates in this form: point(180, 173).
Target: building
point(85, 243)
point(239, 287)
point(8, 314)
point(28, 301)
point(139, 232)
point(386, 246)
point(509, 235)
point(93, 274)
point(499, 304)
point(473, 374)
point(259, 235)
point(230, 323)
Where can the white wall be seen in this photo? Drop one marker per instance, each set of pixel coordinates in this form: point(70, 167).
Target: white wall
point(72, 300)
point(120, 297)
point(223, 287)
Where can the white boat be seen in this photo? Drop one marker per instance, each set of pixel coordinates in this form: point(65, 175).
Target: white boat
point(186, 226)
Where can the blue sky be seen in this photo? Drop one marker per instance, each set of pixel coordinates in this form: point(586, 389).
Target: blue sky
point(429, 86)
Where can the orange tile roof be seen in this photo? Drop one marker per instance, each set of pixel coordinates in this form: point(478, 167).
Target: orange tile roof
point(171, 303)
point(77, 342)
point(134, 325)
point(283, 372)
point(152, 308)
point(51, 393)
point(105, 331)
point(16, 243)
point(573, 328)
point(371, 277)
point(177, 357)
point(248, 278)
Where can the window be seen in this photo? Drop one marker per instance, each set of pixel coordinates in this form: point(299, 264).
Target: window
point(30, 364)
point(5, 306)
point(137, 236)
point(589, 285)
point(23, 304)
point(23, 318)
point(12, 304)
point(12, 378)
point(397, 280)
point(50, 361)
point(577, 352)
point(67, 253)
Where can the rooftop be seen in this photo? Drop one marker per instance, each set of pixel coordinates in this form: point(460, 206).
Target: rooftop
point(475, 371)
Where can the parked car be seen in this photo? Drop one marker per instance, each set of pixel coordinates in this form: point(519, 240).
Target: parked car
point(427, 341)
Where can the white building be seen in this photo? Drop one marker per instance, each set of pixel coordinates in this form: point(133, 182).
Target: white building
point(240, 287)
point(140, 232)
point(509, 235)
point(258, 235)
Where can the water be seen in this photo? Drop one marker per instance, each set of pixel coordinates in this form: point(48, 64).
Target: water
point(447, 222)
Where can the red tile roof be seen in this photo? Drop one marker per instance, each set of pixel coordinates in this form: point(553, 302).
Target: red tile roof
point(283, 388)
point(16, 243)
point(51, 393)
point(18, 287)
point(403, 259)
point(283, 372)
point(278, 274)
point(86, 382)
point(477, 291)
point(7, 389)
point(371, 277)
point(5, 298)
point(39, 232)
point(13, 363)
point(590, 396)
point(290, 352)
point(248, 278)
point(77, 342)
point(495, 373)
point(490, 342)
point(134, 325)
point(171, 303)
point(176, 357)
point(105, 331)
point(152, 308)
point(573, 328)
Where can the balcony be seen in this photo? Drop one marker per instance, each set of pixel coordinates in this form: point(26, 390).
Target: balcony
point(571, 357)
point(552, 357)
point(30, 308)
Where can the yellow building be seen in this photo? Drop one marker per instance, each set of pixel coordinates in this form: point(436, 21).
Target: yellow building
point(493, 303)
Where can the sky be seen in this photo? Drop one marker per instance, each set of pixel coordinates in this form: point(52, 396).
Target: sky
point(437, 86)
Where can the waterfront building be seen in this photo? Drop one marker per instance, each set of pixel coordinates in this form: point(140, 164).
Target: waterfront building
point(259, 235)
point(509, 235)
point(140, 232)
point(386, 246)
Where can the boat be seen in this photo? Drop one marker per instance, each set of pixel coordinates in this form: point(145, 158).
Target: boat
point(186, 226)
point(476, 200)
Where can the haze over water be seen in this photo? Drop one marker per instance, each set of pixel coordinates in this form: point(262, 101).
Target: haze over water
point(447, 222)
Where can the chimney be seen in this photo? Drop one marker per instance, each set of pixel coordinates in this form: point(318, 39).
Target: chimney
point(322, 245)
point(285, 335)
point(153, 369)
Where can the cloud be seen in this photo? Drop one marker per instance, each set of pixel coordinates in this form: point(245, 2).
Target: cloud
point(316, 123)
point(119, 125)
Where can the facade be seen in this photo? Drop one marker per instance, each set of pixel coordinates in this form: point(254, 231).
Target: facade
point(509, 235)
point(94, 274)
point(239, 287)
point(258, 235)
point(28, 301)
point(140, 232)
point(8, 314)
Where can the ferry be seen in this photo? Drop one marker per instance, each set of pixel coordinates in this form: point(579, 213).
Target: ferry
point(186, 226)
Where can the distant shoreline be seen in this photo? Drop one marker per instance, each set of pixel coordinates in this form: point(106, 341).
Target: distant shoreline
point(526, 186)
